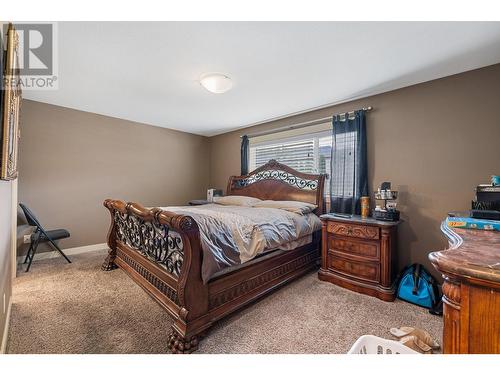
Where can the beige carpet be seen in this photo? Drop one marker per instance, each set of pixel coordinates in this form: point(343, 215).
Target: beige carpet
point(77, 308)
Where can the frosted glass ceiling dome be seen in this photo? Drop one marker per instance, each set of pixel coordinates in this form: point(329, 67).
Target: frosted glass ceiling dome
point(216, 83)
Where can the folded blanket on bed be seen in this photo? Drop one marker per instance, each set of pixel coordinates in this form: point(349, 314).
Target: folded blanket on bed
point(232, 235)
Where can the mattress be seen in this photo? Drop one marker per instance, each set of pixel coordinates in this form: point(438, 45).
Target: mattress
point(234, 235)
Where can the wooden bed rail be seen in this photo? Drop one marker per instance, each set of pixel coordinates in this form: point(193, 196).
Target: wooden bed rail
point(161, 251)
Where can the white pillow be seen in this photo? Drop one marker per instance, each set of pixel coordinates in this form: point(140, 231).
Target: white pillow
point(236, 200)
point(297, 207)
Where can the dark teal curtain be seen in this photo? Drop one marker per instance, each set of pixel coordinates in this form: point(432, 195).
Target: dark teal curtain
point(349, 166)
point(244, 154)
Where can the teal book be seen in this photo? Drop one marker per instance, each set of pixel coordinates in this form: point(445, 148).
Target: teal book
point(471, 223)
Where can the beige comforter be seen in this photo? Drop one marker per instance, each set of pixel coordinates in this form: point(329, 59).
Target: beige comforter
point(232, 235)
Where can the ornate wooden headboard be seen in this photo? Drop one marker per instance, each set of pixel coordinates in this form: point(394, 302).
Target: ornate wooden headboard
point(279, 182)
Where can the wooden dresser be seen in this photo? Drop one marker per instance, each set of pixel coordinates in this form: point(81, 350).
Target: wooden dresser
point(360, 254)
point(471, 290)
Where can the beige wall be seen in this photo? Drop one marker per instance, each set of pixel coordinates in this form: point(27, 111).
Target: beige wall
point(70, 161)
point(6, 191)
point(435, 141)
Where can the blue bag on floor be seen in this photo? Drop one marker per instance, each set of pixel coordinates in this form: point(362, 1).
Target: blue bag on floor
point(418, 286)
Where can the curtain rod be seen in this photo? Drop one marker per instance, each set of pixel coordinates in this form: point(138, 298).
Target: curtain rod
point(303, 124)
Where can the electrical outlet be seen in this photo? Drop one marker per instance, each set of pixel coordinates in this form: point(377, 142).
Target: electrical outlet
point(27, 238)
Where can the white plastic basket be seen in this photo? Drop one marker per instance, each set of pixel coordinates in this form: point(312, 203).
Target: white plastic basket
point(369, 344)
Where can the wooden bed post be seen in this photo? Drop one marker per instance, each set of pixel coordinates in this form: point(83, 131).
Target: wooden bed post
point(193, 293)
point(109, 262)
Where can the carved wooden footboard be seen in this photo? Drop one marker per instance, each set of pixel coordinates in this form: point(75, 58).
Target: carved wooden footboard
point(162, 253)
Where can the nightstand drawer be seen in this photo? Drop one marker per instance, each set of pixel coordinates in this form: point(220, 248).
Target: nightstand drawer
point(365, 249)
point(367, 271)
point(350, 230)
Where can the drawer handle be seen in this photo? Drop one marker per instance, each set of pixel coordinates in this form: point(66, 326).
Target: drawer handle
point(349, 230)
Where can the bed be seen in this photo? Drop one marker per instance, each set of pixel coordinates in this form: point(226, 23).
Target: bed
point(163, 253)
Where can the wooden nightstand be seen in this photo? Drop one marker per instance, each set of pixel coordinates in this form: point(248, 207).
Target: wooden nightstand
point(360, 255)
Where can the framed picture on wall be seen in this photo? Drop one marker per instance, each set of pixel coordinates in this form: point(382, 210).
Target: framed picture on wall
point(11, 101)
point(2, 58)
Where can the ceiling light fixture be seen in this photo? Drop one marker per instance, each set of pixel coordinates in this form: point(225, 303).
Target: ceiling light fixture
point(217, 83)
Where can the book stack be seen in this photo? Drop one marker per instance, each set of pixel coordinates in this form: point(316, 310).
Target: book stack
point(472, 223)
point(485, 213)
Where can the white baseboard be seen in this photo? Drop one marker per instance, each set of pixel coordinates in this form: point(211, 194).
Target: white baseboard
point(70, 251)
point(5, 333)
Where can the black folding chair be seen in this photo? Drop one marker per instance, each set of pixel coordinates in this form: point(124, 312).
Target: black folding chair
point(41, 235)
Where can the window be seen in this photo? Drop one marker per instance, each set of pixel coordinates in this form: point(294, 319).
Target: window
point(309, 153)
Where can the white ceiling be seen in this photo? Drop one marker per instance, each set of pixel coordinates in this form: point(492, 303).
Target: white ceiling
point(148, 71)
